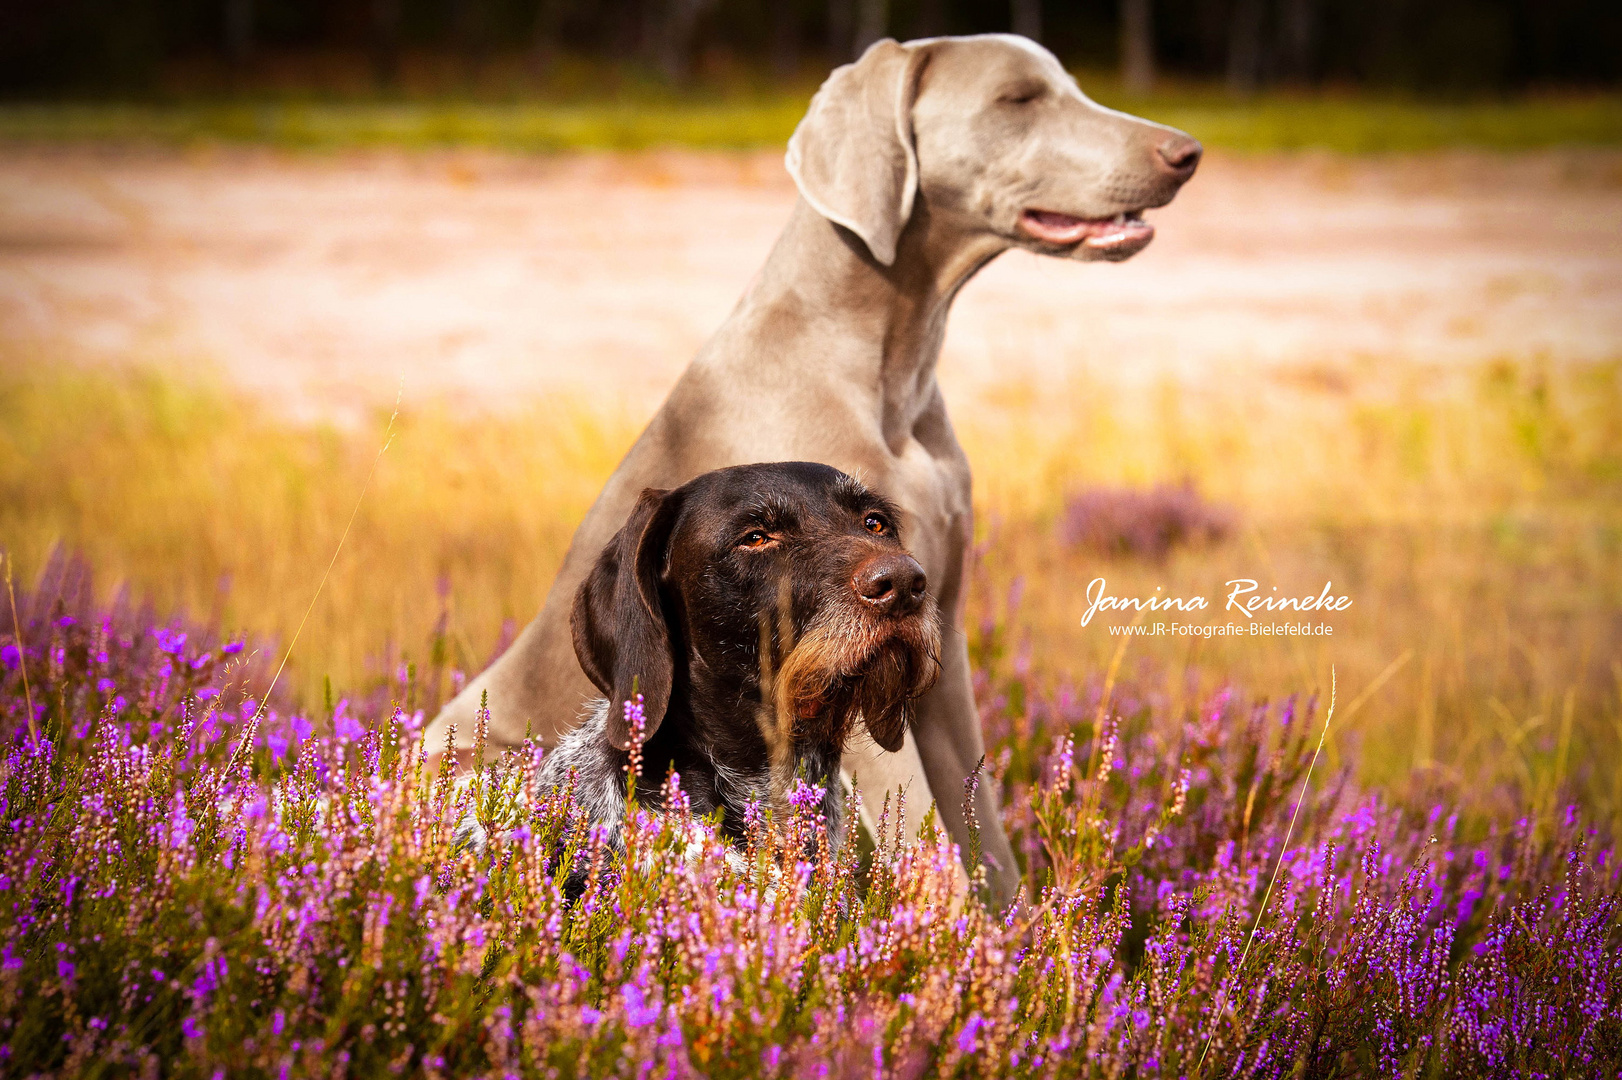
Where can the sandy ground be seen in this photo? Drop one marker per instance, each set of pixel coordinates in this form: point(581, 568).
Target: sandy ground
point(325, 283)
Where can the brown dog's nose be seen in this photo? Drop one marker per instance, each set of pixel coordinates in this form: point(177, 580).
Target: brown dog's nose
point(890, 584)
point(1180, 155)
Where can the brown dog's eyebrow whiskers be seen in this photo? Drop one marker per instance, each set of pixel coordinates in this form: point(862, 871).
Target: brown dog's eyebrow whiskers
point(766, 507)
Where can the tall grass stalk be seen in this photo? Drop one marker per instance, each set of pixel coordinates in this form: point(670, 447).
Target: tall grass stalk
point(22, 661)
point(1261, 911)
point(388, 437)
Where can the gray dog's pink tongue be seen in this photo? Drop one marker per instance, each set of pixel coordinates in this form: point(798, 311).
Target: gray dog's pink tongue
point(1107, 233)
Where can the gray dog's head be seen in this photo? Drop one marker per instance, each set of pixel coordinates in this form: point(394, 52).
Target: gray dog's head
point(995, 137)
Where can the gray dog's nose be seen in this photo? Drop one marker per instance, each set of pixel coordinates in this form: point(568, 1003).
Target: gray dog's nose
point(890, 584)
point(1180, 154)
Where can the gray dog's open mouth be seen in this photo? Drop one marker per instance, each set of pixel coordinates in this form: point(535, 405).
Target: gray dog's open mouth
point(1124, 233)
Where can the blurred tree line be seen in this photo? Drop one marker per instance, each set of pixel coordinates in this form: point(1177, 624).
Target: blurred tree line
point(111, 47)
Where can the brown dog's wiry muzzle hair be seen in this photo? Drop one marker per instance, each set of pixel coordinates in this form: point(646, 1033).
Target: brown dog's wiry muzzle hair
point(848, 664)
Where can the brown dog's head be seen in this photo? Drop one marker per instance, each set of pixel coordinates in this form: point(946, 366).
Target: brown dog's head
point(781, 587)
point(991, 133)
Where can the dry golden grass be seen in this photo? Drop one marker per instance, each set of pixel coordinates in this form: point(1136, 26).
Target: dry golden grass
point(199, 501)
point(1472, 514)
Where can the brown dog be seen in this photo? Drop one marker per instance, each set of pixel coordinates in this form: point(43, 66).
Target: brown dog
point(767, 614)
point(916, 166)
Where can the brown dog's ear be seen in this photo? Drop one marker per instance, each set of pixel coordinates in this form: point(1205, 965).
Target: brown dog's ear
point(618, 622)
point(852, 157)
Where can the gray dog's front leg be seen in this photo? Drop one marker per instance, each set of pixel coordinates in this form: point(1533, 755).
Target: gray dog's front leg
point(950, 743)
point(877, 773)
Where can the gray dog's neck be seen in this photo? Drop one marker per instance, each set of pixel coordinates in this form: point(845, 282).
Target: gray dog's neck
point(883, 324)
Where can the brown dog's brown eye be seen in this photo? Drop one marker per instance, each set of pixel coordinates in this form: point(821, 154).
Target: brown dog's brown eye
point(755, 538)
point(875, 524)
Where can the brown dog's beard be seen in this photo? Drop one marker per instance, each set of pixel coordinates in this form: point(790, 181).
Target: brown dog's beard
point(849, 664)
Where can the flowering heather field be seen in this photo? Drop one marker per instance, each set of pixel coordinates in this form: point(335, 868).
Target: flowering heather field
point(195, 883)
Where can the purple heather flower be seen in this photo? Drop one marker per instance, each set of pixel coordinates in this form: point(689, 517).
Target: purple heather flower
point(346, 727)
point(804, 796)
point(1362, 819)
point(638, 1013)
point(169, 641)
point(968, 1039)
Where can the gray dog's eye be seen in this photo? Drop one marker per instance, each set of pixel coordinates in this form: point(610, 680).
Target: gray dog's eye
point(1022, 95)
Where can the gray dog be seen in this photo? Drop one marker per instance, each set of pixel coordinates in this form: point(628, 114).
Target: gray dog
point(916, 166)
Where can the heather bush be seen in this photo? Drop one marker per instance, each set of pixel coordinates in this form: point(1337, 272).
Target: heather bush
point(196, 882)
point(1145, 522)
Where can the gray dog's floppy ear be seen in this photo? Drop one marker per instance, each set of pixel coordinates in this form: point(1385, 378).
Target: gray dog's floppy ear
point(618, 621)
point(852, 157)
